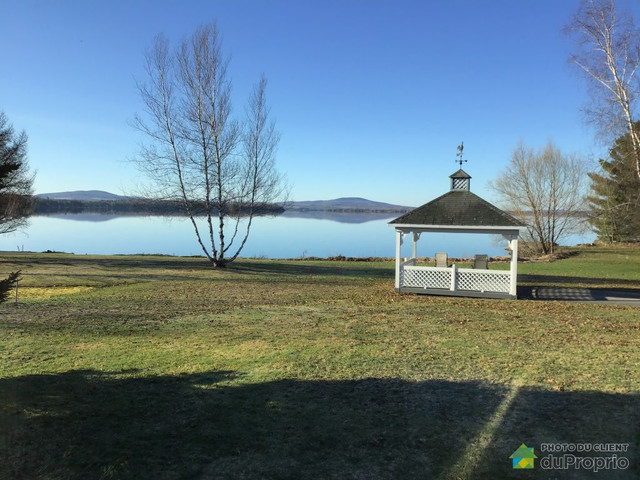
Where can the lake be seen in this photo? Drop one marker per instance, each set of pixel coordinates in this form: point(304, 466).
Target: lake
point(271, 237)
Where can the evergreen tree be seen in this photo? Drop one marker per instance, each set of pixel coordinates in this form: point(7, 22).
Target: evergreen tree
point(15, 179)
point(8, 284)
point(15, 189)
point(615, 199)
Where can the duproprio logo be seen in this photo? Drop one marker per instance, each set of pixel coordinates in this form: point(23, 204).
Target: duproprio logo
point(523, 457)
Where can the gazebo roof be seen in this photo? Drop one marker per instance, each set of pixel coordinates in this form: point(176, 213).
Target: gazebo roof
point(458, 208)
point(460, 174)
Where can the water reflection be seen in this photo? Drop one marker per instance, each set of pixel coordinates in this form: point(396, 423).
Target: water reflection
point(271, 237)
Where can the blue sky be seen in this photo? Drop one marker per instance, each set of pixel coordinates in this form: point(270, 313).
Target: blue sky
point(371, 97)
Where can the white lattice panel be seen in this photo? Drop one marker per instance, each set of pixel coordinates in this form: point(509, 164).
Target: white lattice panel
point(483, 281)
point(426, 277)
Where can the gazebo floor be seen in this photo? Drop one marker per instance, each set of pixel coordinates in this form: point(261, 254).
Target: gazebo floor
point(454, 293)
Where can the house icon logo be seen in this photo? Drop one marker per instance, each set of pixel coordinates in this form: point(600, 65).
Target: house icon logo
point(523, 457)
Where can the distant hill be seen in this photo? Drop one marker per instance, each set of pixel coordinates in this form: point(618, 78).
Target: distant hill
point(84, 195)
point(344, 204)
point(355, 204)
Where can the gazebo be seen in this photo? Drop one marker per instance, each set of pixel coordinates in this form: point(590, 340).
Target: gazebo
point(457, 211)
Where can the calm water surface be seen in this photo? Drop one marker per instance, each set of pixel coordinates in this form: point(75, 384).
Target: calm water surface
point(271, 237)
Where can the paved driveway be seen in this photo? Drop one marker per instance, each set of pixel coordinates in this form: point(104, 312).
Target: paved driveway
point(590, 295)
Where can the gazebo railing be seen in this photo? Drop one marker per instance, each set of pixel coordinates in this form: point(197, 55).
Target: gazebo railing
point(453, 278)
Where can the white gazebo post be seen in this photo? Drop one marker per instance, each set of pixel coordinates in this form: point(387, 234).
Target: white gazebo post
point(513, 246)
point(414, 249)
point(398, 260)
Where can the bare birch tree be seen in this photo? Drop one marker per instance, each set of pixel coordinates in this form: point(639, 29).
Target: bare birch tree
point(608, 53)
point(545, 190)
point(221, 169)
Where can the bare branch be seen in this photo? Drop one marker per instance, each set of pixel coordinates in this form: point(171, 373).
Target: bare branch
point(545, 190)
point(197, 151)
point(608, 53)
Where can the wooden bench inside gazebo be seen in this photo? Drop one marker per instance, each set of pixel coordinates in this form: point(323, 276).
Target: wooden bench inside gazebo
point(457, 211)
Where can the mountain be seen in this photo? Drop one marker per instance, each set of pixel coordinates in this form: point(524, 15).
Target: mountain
point(85, 195)
point(346, 204)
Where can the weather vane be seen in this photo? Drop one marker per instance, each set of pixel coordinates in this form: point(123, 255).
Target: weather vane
point(459, 154)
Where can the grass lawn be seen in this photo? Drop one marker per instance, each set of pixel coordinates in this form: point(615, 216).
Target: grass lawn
point(161, 367)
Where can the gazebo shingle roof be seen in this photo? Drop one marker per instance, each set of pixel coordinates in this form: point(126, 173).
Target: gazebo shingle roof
point(458, 208)
point(460, 174)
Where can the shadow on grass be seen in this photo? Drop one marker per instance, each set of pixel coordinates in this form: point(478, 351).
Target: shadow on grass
point(317, 268)
point(539, 416)
point(613, 296)
point(120, 266)
point(87, 424)
point(115, 261)
point(535, 279)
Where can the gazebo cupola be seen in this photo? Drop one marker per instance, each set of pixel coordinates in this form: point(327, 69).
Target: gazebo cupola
point(460, 180)
point(457, 211)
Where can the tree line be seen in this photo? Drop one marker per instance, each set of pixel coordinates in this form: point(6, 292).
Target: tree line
point(152, 207)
